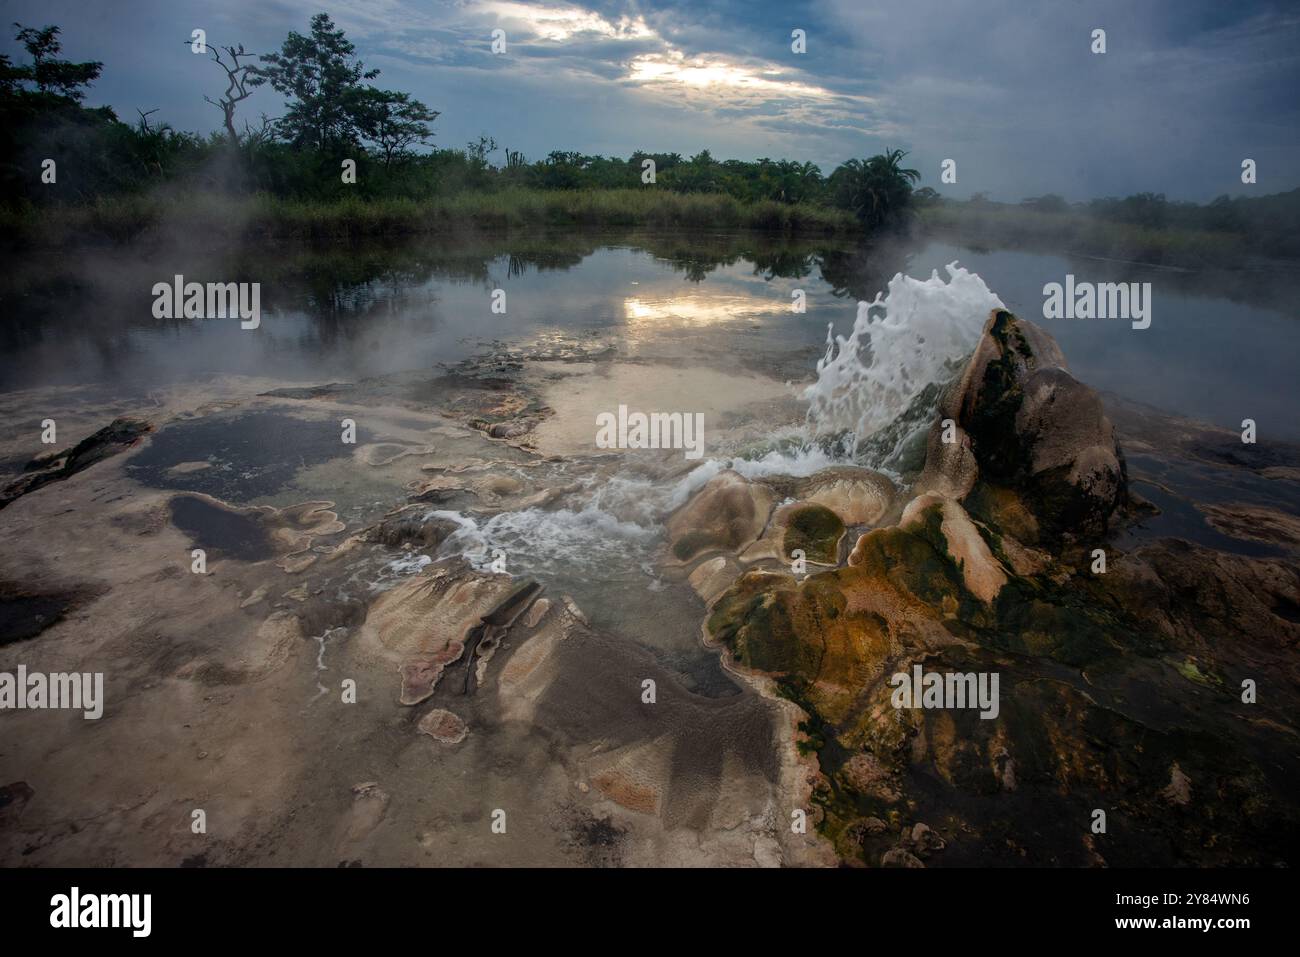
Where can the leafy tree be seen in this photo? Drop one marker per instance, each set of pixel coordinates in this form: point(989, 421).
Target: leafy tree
point(322, 76)
point(877, 190)
point(1224, 215)
point(1049, 203)
point(700, 174)
point(394, 122)
point(479, 150)
point(52, 76)
point(41, 117)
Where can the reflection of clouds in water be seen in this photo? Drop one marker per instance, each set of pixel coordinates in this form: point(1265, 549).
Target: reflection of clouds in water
point(700, 309)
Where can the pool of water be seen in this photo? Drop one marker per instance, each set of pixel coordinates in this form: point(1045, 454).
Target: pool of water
point(351, 312)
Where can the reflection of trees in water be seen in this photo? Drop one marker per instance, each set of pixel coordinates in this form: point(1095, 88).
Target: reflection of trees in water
point(772, 257)
point(356, 283)
point(861, 272)
point(343, 288)
point(768, 263)
point(696, 268)
point(97, 299)
point(783, 264)
point(552, 261)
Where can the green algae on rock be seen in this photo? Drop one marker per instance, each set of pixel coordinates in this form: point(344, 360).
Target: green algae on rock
point(815, 531)
point(1113, 691)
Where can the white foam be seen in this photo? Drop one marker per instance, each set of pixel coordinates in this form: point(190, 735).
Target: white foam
point(537, 540)
point(903, 340)
point(409, 565)
point(800, 462)
point(920, 329)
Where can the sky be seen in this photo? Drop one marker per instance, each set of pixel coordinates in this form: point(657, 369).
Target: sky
point(1010, 90)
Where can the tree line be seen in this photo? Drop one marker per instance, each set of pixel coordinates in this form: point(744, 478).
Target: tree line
point(334, 111)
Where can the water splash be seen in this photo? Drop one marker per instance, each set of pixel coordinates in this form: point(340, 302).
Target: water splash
point(545, 541)
point(871, 384)
point(920, 330)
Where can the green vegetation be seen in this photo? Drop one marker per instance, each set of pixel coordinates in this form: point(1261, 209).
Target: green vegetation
point(290, 178)
point(815, 530)
point(878, 191)
point(1145, 227)
point(284, 178)
point(264, 216)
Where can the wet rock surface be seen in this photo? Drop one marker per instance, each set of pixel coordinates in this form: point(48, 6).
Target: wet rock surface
point(1108, 679)
point(114, 438)
point(683, 683)
point(728, 513)
point(857, 496)
point(1036, 430)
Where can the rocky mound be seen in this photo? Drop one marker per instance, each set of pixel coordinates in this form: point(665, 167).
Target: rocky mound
point(1117, 691)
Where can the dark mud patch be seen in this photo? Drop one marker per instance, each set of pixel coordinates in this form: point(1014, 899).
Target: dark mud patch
point(1286, 609)
point(13, 799)
point(222, 531)
point(25, 612)
point(1143, 425)
point(1255, 523)
point(594, 696)
point(414, 388)
point(1187, 493)
point(1230, 450)
point(485, 392)
point(249, 456)
point(595, 841)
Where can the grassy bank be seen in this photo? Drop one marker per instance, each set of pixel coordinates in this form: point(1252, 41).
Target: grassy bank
point(215, 217)
point(1079, 233)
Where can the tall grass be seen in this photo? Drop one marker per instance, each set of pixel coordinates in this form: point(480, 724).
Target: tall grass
point(1077, 232)
point(262, 216)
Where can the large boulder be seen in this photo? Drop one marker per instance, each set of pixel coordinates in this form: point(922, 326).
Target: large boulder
point(950, 466)
point(1033, 428)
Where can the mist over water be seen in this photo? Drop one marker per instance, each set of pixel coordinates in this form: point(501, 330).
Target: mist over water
point(882, 325)
point(347, 314)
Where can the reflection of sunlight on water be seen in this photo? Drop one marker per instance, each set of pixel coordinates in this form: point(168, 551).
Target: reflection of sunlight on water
point(699, 309)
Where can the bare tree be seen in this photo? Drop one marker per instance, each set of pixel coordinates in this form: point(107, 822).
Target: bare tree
point(240, 80)
point(264, 132)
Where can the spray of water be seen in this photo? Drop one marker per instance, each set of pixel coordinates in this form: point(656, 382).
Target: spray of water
point(908, 337)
